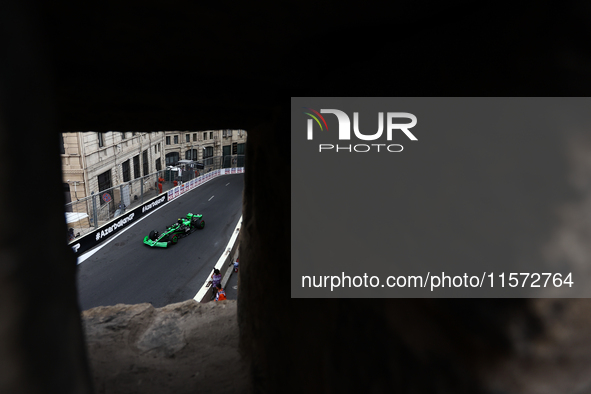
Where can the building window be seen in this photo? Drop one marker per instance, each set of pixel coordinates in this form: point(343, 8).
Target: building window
point(145, 162)
point(207, 153)
point(122, 136)
point(176, 139)
point(241, 149)
point(136, 167)
point(191, 154)
point(172, 158)
point(158, 164)
point(126, 174)
point(194, 137)
point(188, 137)
point(227, 133)
point(104, 183)
point(133, 133)
point(159, 147)
point(68, 197)
point(227, 159)
point(168, 140)
point(101, 141)
point(204, 136)
point(211, 135)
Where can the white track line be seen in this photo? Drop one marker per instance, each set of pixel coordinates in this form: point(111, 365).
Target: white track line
point(86, 255)
point(93, 251)
point(211, 198)
point(220, 263)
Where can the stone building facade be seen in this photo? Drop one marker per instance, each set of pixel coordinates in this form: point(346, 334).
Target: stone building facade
point(92, 161)
point(201, 145)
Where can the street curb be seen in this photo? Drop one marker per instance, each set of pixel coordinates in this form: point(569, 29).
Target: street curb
point(225, 262)
point(104, 241)
point(229, 271)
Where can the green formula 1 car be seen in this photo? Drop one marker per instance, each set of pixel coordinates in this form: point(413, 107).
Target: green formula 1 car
point(180, 229)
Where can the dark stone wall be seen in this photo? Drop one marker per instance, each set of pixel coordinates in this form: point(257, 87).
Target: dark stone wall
point(41, 343)
point(348, 345)
point(149, 65)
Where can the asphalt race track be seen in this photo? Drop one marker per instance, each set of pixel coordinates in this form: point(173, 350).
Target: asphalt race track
point(126, 271)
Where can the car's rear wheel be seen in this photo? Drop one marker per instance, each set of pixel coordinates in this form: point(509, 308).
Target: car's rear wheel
point(201, 224)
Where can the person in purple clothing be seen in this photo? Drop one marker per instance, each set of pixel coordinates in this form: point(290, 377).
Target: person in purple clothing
point(216, 278)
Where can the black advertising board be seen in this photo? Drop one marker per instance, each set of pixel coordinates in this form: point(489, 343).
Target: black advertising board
point(90, 240)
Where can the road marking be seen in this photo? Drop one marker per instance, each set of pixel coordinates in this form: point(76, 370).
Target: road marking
point(84, 256)
point(220, 264)
point(211, 198)
point(88, 254)
point(227, 183)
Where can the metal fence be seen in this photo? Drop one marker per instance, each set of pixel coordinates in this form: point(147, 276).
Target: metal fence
point(89, 213)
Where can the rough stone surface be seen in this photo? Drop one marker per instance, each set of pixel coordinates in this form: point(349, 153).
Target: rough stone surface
point(556, 360)
point(420, 345)
point(186, 347)
point(151, 65)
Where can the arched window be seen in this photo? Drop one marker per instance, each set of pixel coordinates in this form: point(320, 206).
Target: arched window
point(207, 153)
point(172, 158)
point(191, 154)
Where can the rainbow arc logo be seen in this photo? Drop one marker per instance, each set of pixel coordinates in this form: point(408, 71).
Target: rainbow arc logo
point(316, 119)
point(386, 123)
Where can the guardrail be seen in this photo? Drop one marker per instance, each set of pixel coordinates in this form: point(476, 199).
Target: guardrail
point(225, 264)
point(87, 214)
point(129, 218)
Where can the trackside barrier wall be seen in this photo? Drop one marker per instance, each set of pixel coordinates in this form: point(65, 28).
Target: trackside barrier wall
point(87, 214)
point(225, 262)
point(103, 233)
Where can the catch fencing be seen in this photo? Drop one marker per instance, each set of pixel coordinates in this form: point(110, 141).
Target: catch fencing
point(87, 214)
